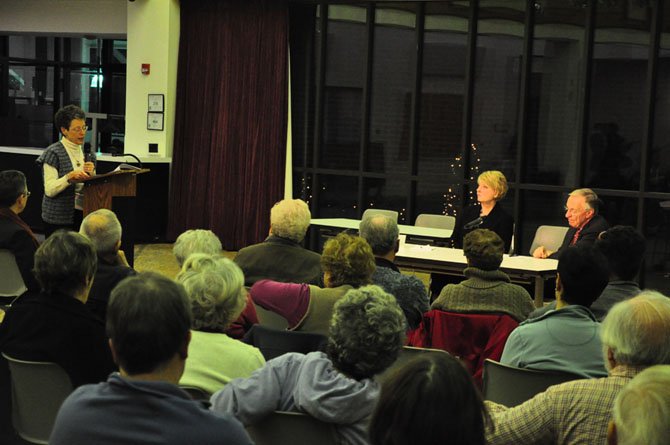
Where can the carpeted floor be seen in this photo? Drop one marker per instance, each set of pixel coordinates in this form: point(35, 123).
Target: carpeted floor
point(159, 258)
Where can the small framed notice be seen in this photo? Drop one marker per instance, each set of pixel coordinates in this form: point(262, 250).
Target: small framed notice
point(156, 103)
point(155, 121)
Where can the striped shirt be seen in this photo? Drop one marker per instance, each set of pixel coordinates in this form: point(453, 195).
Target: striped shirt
point(571, 413)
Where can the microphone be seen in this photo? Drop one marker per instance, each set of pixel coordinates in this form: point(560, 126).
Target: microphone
point(474, 223)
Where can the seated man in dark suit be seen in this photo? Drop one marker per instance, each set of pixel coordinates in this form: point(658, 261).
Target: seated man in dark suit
point(281, 257)
point(103, 228)
point(581, 211)
point(148, 324)
point(15, 234)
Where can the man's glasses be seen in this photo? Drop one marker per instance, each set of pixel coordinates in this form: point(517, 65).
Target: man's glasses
point(26, 193)
point(79, 129)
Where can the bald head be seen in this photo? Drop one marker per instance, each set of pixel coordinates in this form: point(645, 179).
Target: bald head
point(103, 228)
point(381, 232)
point(636, 331)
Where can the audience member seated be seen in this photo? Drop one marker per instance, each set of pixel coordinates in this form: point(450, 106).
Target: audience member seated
point(148, 322)
point(55, 325)
point(486, 288)
point(366, 334)
point(205, 241)
point(215, 288)
point(15, 234)
point(566, 339)
point(430, 400)
point(281, 257)
point(634, 336)
point(641, 412)
point(103, 228)
point(624, 248)
point(581, 211)
point(347, 263)
point(381, 232)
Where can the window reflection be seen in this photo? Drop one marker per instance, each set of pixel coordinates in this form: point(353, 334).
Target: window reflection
point(337, 196)
point(657, 234)
point(659, 159)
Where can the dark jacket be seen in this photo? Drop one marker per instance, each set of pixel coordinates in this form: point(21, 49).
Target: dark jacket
point(498, 221)
point(588, 235)
point(279, 259)
point(15, 239)
point(107, 276)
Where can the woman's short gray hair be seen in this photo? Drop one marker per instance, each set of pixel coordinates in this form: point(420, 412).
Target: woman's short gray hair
point(215, 287)
point(196, 241)
point(367, 331)
point(642, 408)
point(636, 330)
point(290, 219)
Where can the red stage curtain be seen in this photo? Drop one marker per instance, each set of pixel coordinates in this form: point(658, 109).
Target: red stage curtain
point(230, 125)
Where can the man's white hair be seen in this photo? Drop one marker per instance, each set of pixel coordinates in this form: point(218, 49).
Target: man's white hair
point(637, 330)
point(103, 229)
point(290, 219)
point(642, 408)
point(196, 241)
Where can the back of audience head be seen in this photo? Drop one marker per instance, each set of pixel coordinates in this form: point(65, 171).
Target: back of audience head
point(12, 186)
point(484, 249)
point(66, 263)
point(289, 219)
point(429, 400)
point(381, 232)
point(215, 286)
point(583, 275)
point(196, 241)
point(641, 414)
point(103, 228)
point(148, 323)
point(624, 248)
point(635, 332)
point(347, 259)
point(367, 331)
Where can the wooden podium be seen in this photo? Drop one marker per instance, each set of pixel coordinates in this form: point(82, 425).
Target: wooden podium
point(115, 191)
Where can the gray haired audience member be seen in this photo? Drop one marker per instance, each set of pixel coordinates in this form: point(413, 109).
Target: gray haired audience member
point(634, 336)
point(103, 228)
point(215, 287)
point(148, 322)
point(196, 241)
point(205, 241)
point(366, 334)
point(641, 414)
point(281, 257)
point(381, 232)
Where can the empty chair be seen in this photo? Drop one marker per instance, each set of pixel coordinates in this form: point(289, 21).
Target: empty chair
point(435, 221)
point(511, 386)
point(287, 428)
point(550, 237)
point(274, 343)
point(406, 354)
point(270, 319)
point(12, 284)
point(390, 213)
point(38, 391)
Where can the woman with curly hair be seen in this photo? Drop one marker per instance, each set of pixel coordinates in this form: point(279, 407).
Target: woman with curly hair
point(347, 262)
point(366, 333)
point(215, 287)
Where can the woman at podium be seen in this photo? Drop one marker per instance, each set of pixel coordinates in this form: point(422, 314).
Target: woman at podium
point(63, 165)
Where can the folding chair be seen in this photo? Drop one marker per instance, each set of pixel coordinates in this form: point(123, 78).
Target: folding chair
point(285, 428)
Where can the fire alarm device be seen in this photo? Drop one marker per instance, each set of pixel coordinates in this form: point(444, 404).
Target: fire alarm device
point(146, 68)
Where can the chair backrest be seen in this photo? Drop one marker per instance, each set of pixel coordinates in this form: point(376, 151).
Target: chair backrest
point(284, 428)
point(11, 281)
point(550, 237)
point(390, 213)
point(270, 319)
point(435, 221)
point(511, 386)
point(38, 391)
point(406, 354)
point(195, 392)
point(273, 343)
point(471, 337)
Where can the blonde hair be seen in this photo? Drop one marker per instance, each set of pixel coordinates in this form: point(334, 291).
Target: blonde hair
point(496, 180)
point(290, 218)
